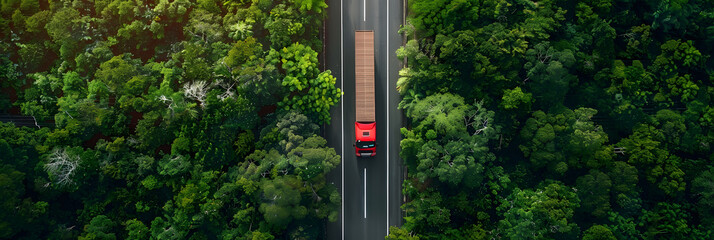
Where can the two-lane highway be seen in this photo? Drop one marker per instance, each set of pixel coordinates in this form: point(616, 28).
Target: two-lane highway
point(370, 187)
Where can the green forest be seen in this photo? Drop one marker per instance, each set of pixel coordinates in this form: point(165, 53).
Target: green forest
point(558, 119)
point(183, 119)
point(166, 119)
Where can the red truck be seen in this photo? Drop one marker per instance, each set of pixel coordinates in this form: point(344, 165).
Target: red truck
point(365, 125)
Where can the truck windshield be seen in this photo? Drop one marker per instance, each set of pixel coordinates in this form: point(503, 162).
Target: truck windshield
point(365, 144)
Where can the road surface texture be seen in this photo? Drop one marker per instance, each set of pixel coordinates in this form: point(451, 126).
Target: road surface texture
point(369, 204)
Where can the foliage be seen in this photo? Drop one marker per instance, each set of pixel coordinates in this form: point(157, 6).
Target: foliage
point(549, 138)
point(661, 168)
point(61, 167)
point(311, 91)
point(99, 228)
point(703, 187)
point(546, 212)
point(146, 120)
point(598, 232)
point(593, 191)
point(599, 108)
point(399, 234)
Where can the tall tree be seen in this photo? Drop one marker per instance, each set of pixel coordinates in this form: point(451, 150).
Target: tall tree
point(594, 192)
point(545, 213)
point(315, 91)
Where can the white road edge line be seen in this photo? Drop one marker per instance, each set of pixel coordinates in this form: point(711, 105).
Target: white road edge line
point(342, 122)
point(365, 193)
point(387, 88)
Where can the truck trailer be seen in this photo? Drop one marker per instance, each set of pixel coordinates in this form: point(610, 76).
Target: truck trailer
point(365, 124)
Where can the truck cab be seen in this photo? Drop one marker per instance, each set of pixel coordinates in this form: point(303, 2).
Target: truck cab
point(366, 139)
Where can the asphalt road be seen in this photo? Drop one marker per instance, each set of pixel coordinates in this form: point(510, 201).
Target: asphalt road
point(369, 203)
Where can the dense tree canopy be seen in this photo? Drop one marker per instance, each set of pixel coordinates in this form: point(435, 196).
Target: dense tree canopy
point(165, 120)
point(598, 123)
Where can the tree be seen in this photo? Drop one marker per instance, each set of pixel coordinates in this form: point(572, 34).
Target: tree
point(61, 167)
point(672, 16)
point(623, 228)
point(41, 100)
point(63, 25)
point(29, 6)
point(672, 125)
point(450, 163)
point(638, 41)
point(244, 144)
point(293, 128)
point(34, 57)
point(100, 228)
point(410, 145)
point(88, 61)
point(306, 6)
point(242, 52)
point(115, 72)
point(549, 138)
point(320, 97)
point(442, 17)
point(173, 165)
point(516, 99)
point(193, 62)
point(703, 188)
point(426, 213)
point(283, 25)
point(475, 232)
point(204, 27)
point(312, 158)
point(550, 83)
point(245, 68)
point(11, 73)
point(18, 212)
point(631, 84)
point(311, 161)
point(586, 144)
point(624, 178)
point(455, 150)
point(598, 232)
point(36, 23)
point(73, 86)
point(196, 91)
point(666, 220)
point(544, 213)
point(161, 229)
point(662, 168)
point(257, 235)
point(603, 43)
point(136, 229)
point(281, 201)
point(594, 192)
point(425, 74)
point(66, 29)
point(314, 92)
point(396, 233)
point(541, 145)
point(444, 113)
point(674, 64)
